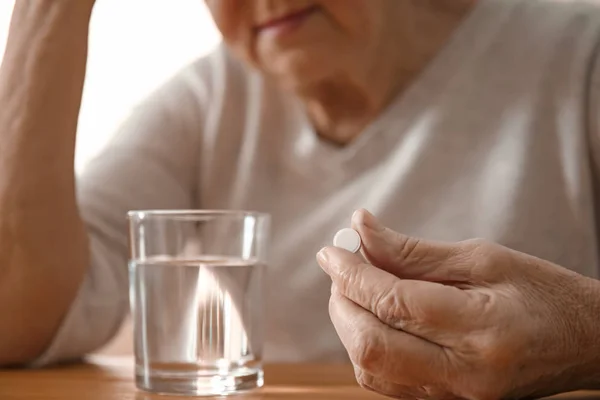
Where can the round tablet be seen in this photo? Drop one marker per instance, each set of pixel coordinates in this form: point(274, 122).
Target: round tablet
point(348, 239)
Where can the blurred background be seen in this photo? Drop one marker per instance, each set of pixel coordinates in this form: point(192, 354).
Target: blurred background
point(132, 51)
point(135, 46)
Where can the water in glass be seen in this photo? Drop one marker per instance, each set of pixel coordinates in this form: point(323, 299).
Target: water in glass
point(198, 324)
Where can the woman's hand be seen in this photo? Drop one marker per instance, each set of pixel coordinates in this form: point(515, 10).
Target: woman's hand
point(467, 320)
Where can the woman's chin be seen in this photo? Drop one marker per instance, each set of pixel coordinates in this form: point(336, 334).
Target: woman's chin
point(298, 71)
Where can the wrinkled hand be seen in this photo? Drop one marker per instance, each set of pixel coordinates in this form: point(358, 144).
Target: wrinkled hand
point(468, 320)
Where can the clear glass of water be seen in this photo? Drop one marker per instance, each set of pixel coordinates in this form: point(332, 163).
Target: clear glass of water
point(196, 292)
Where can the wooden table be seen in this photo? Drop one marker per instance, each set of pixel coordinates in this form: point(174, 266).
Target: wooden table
point(111, 379)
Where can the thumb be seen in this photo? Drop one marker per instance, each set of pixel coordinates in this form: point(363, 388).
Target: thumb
point(408, 257)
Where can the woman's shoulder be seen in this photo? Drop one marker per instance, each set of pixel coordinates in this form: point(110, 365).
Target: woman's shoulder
point(218, 73)
point(216, 83)
point(214, 72)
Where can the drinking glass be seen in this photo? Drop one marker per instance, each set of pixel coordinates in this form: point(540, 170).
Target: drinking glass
point(196, 293)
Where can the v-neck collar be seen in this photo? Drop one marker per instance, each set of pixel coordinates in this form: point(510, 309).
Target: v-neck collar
point(467, 42)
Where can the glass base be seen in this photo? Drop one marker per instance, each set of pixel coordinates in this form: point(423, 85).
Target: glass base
point(214, 385)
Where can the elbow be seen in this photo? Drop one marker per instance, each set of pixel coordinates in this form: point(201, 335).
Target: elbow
point(29, 321)
point(19, 348)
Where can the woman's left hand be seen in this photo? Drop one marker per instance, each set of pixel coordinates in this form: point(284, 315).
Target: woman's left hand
point(472, 320)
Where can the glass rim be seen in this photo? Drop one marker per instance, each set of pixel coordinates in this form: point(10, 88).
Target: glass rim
point(191, 214)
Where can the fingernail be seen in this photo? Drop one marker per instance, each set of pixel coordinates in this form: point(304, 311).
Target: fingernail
point(323, 258)
point(371, 222)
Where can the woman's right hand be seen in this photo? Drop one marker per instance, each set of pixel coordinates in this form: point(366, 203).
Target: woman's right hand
point(43, 243)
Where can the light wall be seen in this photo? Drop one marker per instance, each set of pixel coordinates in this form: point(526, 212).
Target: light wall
point(135, 45)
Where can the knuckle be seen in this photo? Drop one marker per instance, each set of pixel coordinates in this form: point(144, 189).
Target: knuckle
point(498, 353)
point(483, 254)
point(348, 277)
point(478, 245)
point(369, 351)
point(483, 303)
point(408, 249)
point(364, 380)
point(397, 310)
point(487, 348)
point(386, 388)
point(390, 308)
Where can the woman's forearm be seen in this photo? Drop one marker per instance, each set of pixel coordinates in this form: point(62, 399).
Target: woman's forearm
point(43, 245)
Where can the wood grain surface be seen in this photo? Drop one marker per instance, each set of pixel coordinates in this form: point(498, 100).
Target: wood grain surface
point(111, 378)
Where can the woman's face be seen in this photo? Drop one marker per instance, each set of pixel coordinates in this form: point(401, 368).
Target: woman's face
point(305, 41)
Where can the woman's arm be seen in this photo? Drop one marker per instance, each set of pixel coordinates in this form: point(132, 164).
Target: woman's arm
point(43, 244)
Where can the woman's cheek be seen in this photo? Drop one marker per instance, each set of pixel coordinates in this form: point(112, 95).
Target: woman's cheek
point(228, 16)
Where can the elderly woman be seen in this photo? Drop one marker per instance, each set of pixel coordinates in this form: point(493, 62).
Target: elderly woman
point(448, 119)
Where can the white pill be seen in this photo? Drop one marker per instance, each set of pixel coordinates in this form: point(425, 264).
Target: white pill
point(348, 239)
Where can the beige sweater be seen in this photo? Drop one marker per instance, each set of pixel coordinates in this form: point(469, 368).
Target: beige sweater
point(498, 139)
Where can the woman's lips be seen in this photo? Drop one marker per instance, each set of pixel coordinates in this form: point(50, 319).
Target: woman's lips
point(287, 22)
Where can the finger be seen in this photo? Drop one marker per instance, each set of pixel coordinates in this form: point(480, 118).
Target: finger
point(409, 257)
point(387, 388)
point(381, 351)
point(426, 309)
